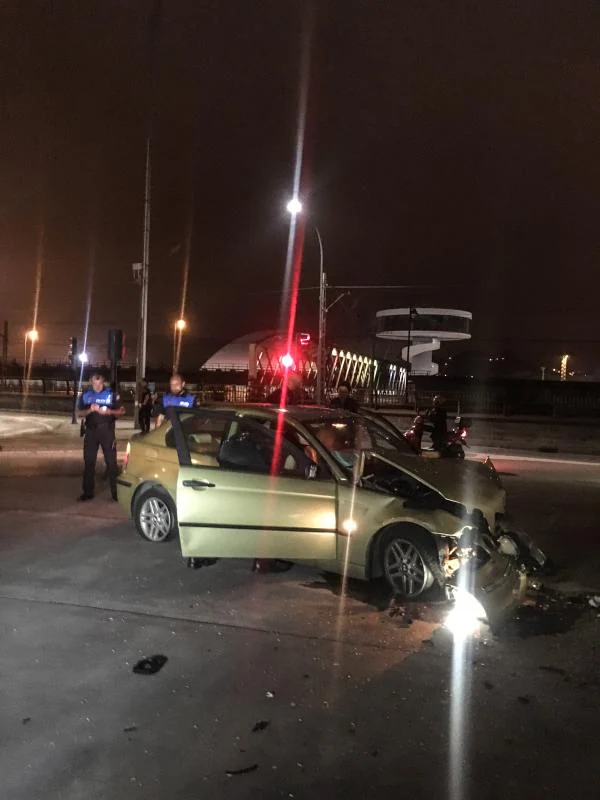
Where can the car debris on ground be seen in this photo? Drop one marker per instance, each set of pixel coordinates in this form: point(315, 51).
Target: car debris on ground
point(150, 665)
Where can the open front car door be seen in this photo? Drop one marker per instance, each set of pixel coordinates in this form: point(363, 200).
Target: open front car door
point(244, 490)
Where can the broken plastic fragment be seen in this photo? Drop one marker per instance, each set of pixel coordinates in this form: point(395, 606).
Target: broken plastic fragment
point(261, 725)
point(243, 771)
point(269, 695)
point(150, 665)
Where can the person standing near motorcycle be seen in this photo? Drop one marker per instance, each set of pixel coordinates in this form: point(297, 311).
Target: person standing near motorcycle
point(437, 417)
point(345, 399)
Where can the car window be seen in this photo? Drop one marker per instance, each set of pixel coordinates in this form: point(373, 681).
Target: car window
point(346, 436)
point(251, 444)
point(203, 434)
point(381, 437)
point(378, 474)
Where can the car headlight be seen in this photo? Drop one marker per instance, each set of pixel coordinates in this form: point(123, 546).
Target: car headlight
point(467, 615)
point(507, 546)
point(467, 538)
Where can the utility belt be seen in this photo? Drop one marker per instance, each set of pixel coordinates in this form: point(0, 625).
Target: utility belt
point(85, 425)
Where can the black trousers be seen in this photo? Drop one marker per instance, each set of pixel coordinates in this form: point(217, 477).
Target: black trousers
point(145, 415)
point(101, 436)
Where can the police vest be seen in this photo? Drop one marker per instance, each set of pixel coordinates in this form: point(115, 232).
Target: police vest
point(103, 398)
point(179, 400)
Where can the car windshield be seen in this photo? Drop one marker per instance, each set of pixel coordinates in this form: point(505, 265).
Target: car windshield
point(346, 436)
point(379, 474)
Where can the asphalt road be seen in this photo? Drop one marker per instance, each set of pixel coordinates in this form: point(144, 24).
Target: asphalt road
point(354, 698)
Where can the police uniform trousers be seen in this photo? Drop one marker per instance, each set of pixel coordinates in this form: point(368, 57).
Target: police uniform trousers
point(145, 415)
point(101, 435)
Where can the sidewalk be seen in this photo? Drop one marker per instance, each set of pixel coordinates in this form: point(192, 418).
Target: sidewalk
point(53, 435)
point(480, 453)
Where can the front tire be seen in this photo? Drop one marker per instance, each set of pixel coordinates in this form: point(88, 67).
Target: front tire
point(410, 563)
point(155, 515)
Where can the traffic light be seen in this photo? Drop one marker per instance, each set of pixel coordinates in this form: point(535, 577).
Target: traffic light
point(72, 352)
point(115, 345)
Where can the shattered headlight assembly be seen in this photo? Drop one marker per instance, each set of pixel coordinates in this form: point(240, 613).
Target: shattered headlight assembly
point(468, 541)
point(507, 546)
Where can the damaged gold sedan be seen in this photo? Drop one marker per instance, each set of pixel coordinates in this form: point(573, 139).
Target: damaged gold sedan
point(332, 489)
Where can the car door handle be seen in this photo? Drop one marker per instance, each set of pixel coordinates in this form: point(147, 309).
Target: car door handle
point(196, 484)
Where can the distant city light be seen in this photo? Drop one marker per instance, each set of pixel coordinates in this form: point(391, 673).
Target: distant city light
point(294, 206)
point(181, 324)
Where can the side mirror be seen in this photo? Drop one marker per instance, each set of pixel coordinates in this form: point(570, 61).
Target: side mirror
point(427, 501)
point(310, 473)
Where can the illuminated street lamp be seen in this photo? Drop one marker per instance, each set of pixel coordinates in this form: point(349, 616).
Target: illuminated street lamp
point(294, 207)
point(83, 358)
point(178, 329)
point(563, 366)
point(31, 336)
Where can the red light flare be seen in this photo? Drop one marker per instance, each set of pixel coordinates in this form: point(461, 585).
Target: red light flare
point(298, 249)
point(295, 250)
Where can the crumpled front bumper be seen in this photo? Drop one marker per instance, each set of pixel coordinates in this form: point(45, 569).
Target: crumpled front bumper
point(500, 587)
point(499, 582)
point(528, 554)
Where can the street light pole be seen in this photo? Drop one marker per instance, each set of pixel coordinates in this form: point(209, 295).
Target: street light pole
point(321, 354)
point(140, 363)
point(141, 355)
point(294, 207)
point(412, 312)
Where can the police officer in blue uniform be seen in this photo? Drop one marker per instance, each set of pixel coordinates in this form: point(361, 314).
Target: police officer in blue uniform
point(177, 397)
point(99, 406)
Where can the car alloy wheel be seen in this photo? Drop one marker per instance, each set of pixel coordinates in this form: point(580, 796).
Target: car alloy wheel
point(156, 521)
point(405, 569)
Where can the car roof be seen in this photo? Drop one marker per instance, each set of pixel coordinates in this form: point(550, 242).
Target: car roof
point(300, 413)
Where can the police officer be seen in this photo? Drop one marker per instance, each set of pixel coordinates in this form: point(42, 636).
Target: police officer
point(99, 405)
point(177, 396)
point(145, 412)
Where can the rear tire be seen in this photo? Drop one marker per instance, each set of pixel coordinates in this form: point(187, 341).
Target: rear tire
point(155, 515)
point(410, 563)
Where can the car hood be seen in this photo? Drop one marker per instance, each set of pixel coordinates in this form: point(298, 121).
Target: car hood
point(467, 482)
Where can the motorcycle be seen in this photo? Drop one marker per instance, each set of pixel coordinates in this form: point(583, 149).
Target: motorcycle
point(453, 446)
point(456, 440)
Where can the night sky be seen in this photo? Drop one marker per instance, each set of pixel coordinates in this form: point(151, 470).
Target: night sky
point(448, 144)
